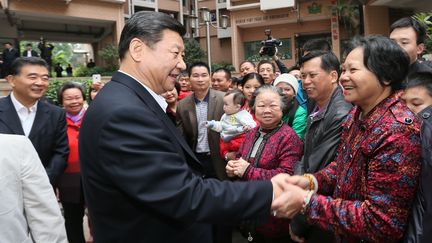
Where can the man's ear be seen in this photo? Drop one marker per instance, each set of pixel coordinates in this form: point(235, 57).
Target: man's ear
point(11, 80)
point(136, 47)
point(334, 76)
point(420, 48)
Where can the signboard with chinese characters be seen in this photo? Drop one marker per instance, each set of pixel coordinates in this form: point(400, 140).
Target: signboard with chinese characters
point(276, 4)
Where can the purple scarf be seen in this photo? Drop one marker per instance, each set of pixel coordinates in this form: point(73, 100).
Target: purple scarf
point(76, 118)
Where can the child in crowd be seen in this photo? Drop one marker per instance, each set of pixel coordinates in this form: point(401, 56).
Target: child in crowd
point(185, 88)
point(234, 123)
point(418, 93)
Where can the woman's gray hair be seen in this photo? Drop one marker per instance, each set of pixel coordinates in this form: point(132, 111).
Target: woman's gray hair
point(283, 100)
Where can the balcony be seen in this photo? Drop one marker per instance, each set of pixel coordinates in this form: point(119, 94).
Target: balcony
point(242, 4)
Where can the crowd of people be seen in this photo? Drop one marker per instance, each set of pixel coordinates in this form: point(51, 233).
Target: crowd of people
point(326, 151)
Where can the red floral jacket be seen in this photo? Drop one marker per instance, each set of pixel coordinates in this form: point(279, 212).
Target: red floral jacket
point(280, 150)
point(367, 192)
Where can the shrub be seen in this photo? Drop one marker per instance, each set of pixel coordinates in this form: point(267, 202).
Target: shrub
point(55, 85)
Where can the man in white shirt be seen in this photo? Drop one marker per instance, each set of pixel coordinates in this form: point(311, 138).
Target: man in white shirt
point(23, 113)
point(29, 52)
point(29, 211)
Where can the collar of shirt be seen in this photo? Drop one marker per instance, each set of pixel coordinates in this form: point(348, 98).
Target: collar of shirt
point(19, 107)
point(206, 98)
point(159, 99)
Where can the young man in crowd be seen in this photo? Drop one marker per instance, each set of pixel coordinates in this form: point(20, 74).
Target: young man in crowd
point(192, 114)
point(410, 35)
point(221, 79)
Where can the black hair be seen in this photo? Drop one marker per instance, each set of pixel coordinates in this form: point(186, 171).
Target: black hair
point(238, 98)
point(250, 76)
point(267, 62)
point(19, 62)
point(246, 61)
point(384, 58)
point(177, 87)
point(295, 67)
point(316, 45)
point(66, 86)
point(235, 80)
point(410, 22)
point(198, 64)
point(8, 42)
point(420, 79)
point(148, 27)
point(329, 61)
point(226, 71)
point(29, 44)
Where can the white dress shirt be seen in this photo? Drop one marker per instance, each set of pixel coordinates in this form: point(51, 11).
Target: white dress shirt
point(26, 115)
point(29, 211)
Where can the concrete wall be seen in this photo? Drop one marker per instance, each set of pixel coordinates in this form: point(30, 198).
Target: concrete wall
point(376, 20)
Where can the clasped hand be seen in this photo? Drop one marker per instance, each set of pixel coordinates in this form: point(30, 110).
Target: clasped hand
point(289, 194)
point(236, 167)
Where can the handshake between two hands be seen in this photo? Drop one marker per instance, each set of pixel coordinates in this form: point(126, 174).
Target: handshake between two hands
point(290, 193)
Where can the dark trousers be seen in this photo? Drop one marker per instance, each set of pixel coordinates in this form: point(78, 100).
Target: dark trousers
point(73, 214)
point(207, 163)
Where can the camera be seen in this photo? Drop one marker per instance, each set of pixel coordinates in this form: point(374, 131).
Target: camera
point(269, 44)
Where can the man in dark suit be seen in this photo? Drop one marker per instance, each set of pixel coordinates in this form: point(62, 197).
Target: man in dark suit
point(23, 113)
point(29, 52)
point(141, 180)
point(203, 105)
point(9, 55)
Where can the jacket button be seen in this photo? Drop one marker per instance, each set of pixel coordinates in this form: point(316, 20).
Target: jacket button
point(426, 115)
point(408, 120)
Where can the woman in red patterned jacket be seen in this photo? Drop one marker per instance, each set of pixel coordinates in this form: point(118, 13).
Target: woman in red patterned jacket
point(71, 96)
point(269, 149)
point(365, 195)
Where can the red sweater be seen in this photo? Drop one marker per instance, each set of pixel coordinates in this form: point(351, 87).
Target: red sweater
point(73, 159)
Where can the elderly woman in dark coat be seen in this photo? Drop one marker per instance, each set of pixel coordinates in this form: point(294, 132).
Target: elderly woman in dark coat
point(269, 149)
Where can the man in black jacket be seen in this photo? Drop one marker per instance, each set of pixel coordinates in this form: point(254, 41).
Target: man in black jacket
point(320, 72)
point(9, 55)
point(23, 112)
point(418, 96)
point(142, 181)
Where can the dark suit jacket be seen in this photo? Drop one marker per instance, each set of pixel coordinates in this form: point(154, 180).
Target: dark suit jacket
point(187, 124)
point(9, 55)
point(48, 134)
point(141, 180)
point(33, 53)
